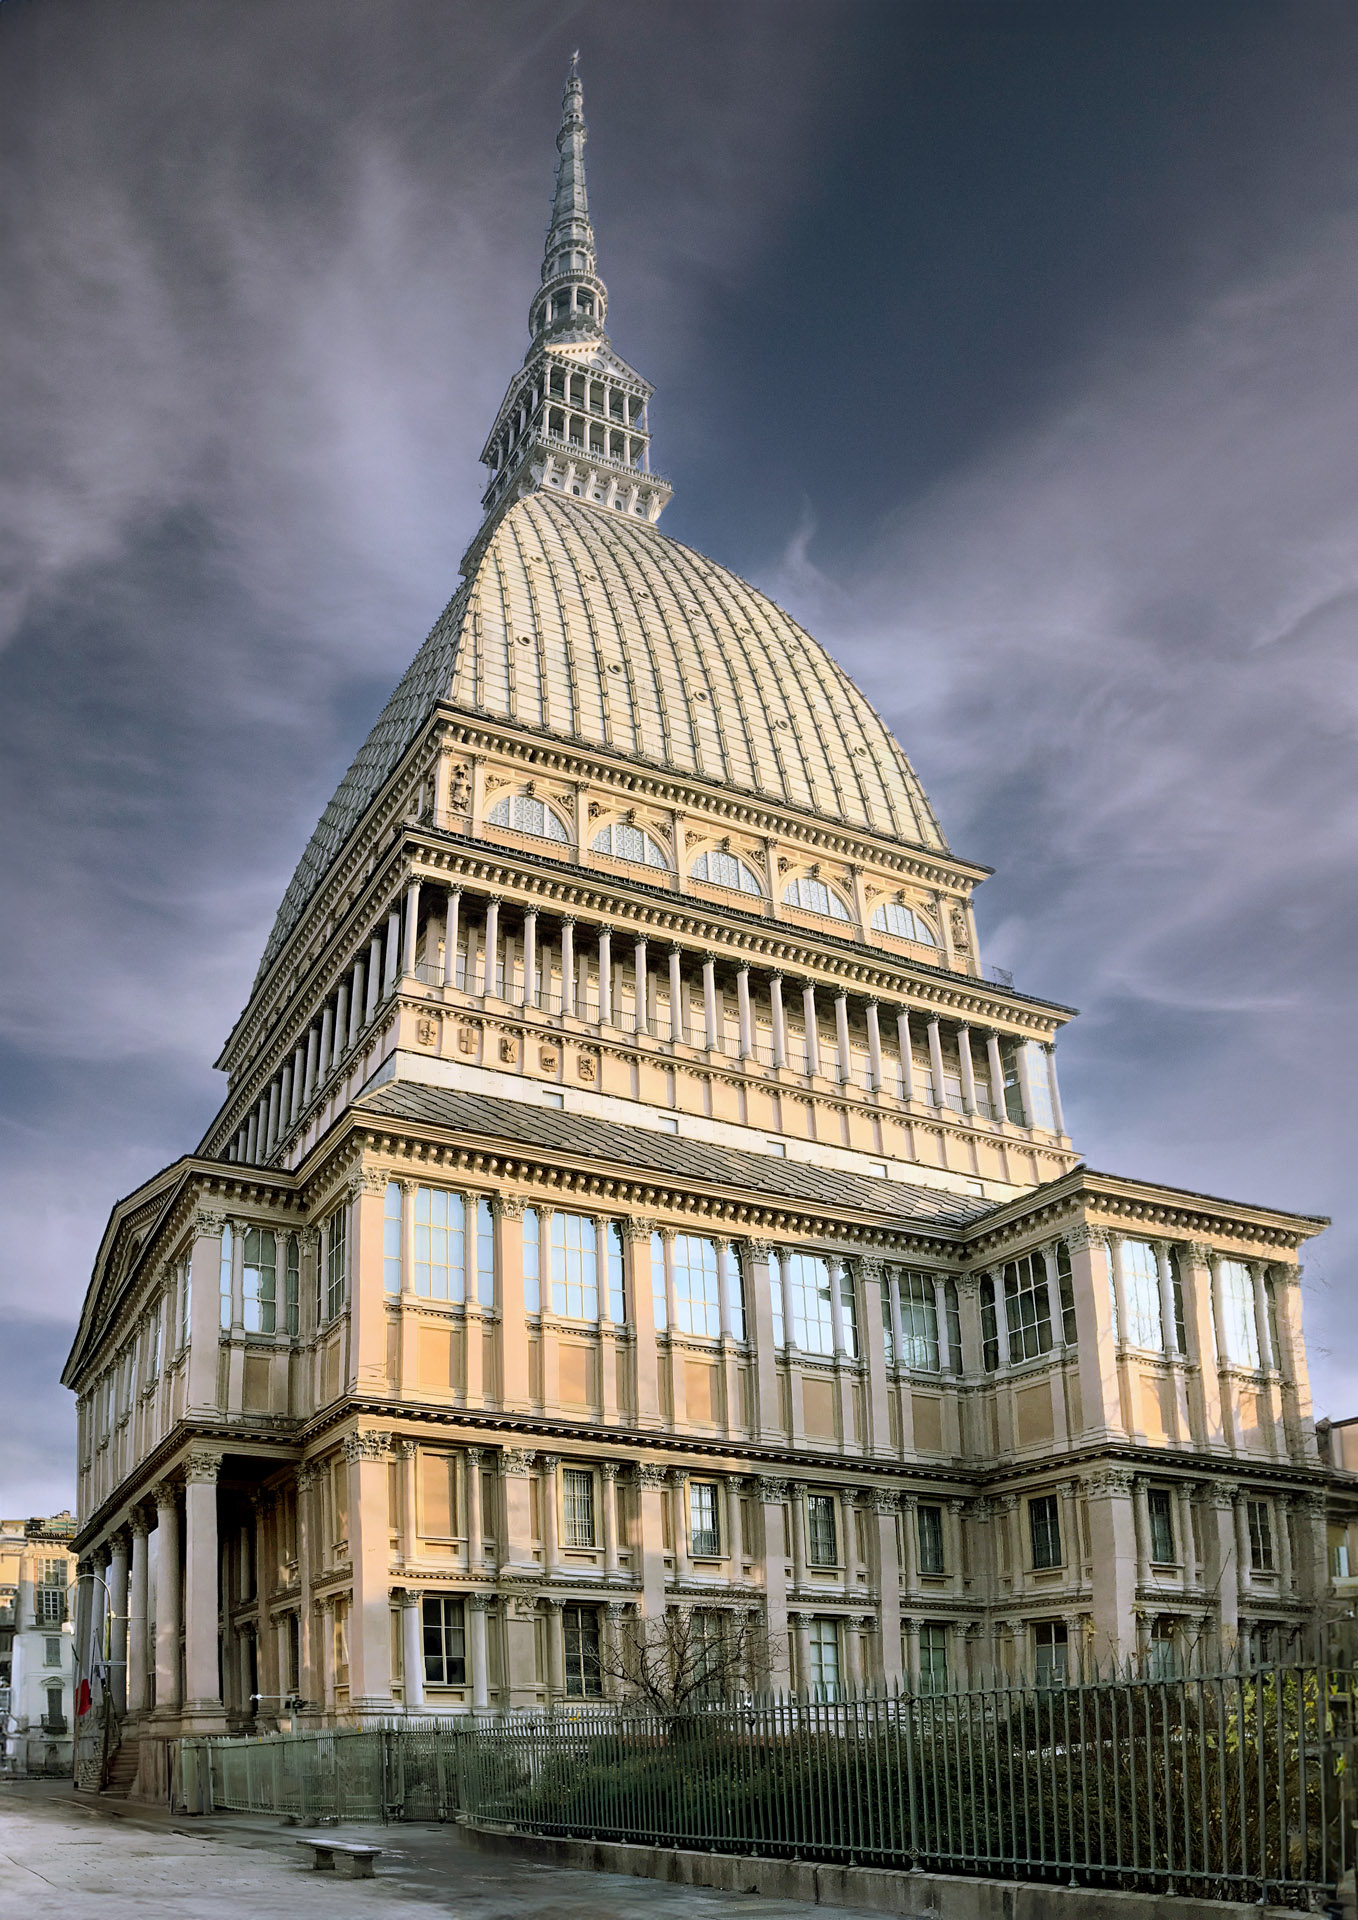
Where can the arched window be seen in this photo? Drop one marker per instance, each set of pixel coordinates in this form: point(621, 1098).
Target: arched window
point(722, 869)
point(813, 896)
point(895, 919)
point(526, 814)
point(626, 842)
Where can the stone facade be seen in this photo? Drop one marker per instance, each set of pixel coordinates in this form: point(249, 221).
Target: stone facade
point(37, 1645)
point(632, 1192)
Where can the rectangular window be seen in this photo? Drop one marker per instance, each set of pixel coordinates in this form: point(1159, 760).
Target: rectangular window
point(1027, 1304)
point(438, 1495)
point(919, 1321)
point(704, 1536)
point(697, 1298)
point(1044, 1528)
point(336, 1263)
point(1261, 1536)
point(51, 1656)
point(292, 1285)
point(1238, 1333)
point(930, 1529)
point(735, 1299)
point(294, 1674)
point(532, 1261)
point(823, 1638)
point(808, 1284)
point(888, 1330)
point(1141, 1295)
point(52, 1573)
point(1013, 1090)
point(259, 1280)
point(1051, 1647)
point(1066, 1288)
point(445, 1640)
point(658, 1304)
point(50, 1606)
point(391, 1238)
point(1160, 1507)
point(953, 1314)
point(577, 1507)
point(54, 1717)
point(990, 1328)
point(617, 1271)
point(485, 1254)
point(225, 1277)
point(820, 1530)
point(575, 1270)
point(1176, 1287)
point(584, 1675)
point(933, 1657)
point(153, 1342)
point(440, 1244)
point(185, 1304)
point(1043, 1114)
point(1163, 1663)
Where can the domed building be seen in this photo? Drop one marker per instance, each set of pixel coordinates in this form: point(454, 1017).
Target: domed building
point(632, 1193)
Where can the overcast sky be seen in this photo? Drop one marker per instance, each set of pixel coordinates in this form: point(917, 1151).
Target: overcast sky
point(1012, 346)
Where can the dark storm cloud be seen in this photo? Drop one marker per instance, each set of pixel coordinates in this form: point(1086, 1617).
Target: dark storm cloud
point(1012, 346)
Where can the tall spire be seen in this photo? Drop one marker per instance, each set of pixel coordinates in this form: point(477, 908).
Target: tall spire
point(575, 415)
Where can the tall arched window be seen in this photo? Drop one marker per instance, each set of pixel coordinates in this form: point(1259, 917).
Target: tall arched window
point(626, 842)
point(721, 869)
point(905, 924)
point(813, 896)
point(525, 813)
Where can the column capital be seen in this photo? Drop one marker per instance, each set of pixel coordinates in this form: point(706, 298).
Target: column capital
point(651, 1474)
point(508, 1206)
point(202, 1467)
point(309, 1239)
point(1084, 1236)
point(608, 1469)
point(137, 1523)
point(549, 1462)
point(482, 1602)
point(474, 1455)
point(884, 1501)
point(374, 1444)
point(1110, 1480)
point(516, 1462)
point(771, 1491)
point(208, 1223)
point(307, 1475)
point(407, 1596)
point(637, 1227)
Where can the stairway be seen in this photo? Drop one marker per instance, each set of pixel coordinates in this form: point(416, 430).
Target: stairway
point(121, 1772)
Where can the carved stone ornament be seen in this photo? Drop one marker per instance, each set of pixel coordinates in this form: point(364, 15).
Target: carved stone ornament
point(968, 1284)
point(771, 1492)
point(202, 1467)
point(481, 1602)
point(638, 1228)
point(375, 1445)
point(466, 1040)
point(208, 1224)
point(309, 1239)
point(427, 1030)
point(523, 1606)
point(509, 1206)
point(548, 1059)
point(137, 1523)
point(1082, 1235)
point(883, 1501)
point(407, 1596)
point(608, 1469)
point(306, 1476)
point(961, 938)
point(587, 1066)
point(1111, 1480)
point(651, 1474)
point(516, 1462)
point(509, 1049)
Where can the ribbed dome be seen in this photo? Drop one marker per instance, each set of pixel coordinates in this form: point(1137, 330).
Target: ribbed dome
point(597, 629)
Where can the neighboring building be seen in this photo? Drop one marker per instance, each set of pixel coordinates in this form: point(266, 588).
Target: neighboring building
point(632, 1192)
point(37, 1675)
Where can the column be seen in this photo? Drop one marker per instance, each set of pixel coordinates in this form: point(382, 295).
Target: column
point(568, 1005)
point(853, 1661)
point(137, 1621)
point(205, 1261)
point(967, 1070)
point(676, 995)
point(650, 1480)
point(712, 1035)
point(842, 1038)
point(168, 1594)
point(759, 1311)
point(608, 1488)
point(744, 1017)
point(530, 957)
point(412, 1649)
point(605, 977)
point(640, 988)
point(873, 1277)
point(271, 1123)
point(476, 1526)
point(548, 1464)
point(1052, 1088)
point(1100, 1394)
point(774, 1548)
point(885, 1509)
point(907, 1053)
point(556, 1651)
point(936, 1061)
point(452, 914)
point(331, 1019)
point(478, 1605)
point(298, 1071)
point(491, 957)
point(374, 977)
point(801, 1629)
point(996, 1066)
point(117, 1606)
point(391, 955)
point(735, 1552)
point(1113, 1544)
point(874, 1048)
point(1165, 1277)
point(252, 1136)
point(797, 1520)
point(812, 1030)
point(313, 1060)
point(847, 1535)
point(1198, 1274)
point(779, 1020)
point(679, 1531)
point(1188, 1551)
point(1023, 1063)
point(1141, 1526)
point(1283, 1510)
point(1268, 1360)
point(355, 1004)
point(615, 1616)
point(367, 1456)
point(202, 1611)
point(367, 1357)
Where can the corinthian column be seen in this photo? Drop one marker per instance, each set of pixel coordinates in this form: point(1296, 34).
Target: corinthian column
point(202, 1609)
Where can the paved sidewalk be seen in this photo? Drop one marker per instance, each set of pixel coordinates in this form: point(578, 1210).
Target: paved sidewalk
point(64, 1856)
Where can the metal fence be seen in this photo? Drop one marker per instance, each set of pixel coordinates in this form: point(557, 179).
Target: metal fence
point(1228, 1786)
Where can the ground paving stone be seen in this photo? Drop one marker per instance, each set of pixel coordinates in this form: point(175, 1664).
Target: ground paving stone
point(71, 1856)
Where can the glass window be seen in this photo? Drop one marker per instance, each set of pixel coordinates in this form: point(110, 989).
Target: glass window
point(808, 1280)
point(336, 1263)
point(1044, 1114)
point(391, 1238)
point(1261, 1536)
point(617, 1291)
point(485, 1254)
point(658, 1303)
point(823, 1638)
point(820, 1530)
point(440, 1244)
point(813, 896)
point(1067, 1292)
point(735, 1299)
point(153, 1342)
point(259, 1279)
point(1027, 1307)
point(888, 1330)
point(722, 869)
point(990, 1329)
point(704, 1536)
point(1240, 1336)
point(626, 842)
point(848, 1309)
point(930, 1539)
point(919, 1321)
point(1163, 1662)
point(532, 1261)
point(933, 1657)
point(524, 813)
point(292, 1285)
point(1160, 1507)
point(185, 1303)
point(1051, 1648)
point(577, 1507)
point(1141, 1293)
point(1044, 1527)
point(575, 1275)
point(1176, 1287)
point(225, 1275)
point(445, 1640)
point(51, 1650)
point(52, 1573)
point(697, 1297)
point(584, 1675)
point(50, 1605)
point(903, 923)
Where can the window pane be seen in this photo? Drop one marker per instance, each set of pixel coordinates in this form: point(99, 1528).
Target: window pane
point(258, 1280)
point(580, 1631)
point(577, 1507)
point(809, 1286)
point(1045, 1528)
point(697, 1303)
point(1027, 1308)
point(391, 1238)
point(532, 1284)
point(1159, 1504)
point(617, 1292)
point(1240, 1335)
point(575, 1282)
point(228, 1241)
point(445, 1662)
point(930, 1539)
point(440, 1244)
point(933, 1657)
point(1141, 1292)
point(658, 1282)
point(919, 1321)
point(485, 1254)
point(735, 1300)
point(702, 1509)
point(820, 1530)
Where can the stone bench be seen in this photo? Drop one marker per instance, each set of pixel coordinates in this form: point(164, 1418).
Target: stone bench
point(362, 1859)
